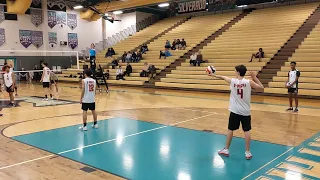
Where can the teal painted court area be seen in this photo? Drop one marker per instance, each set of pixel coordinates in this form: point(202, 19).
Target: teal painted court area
point(142, 151)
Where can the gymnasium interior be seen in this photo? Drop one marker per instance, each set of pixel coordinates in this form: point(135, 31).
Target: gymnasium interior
point(171, 122)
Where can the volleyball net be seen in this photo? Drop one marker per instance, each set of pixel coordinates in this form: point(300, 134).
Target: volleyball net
point(26, 60)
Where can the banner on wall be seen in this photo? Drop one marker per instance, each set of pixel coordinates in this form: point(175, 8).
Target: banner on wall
point(37, 38)
point(61, 18)
point(53, 39)
point(58, 5)
point(25, 38)
point(1, 13)
point(191, 6)
point(2, 36)
point(52, 20)
point(36, 2)
point(36, 16)
point(73, 40)
point(72, 21)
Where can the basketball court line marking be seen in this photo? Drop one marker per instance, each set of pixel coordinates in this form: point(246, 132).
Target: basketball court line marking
point(267, 163)
point(194, 97)
point(158, 106)
point(103, 142)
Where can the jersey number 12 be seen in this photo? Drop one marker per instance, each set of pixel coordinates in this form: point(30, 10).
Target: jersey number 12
point(240, 92)
point(91, 87)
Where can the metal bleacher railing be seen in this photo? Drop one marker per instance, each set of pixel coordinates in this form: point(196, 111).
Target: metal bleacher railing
point(122, 35)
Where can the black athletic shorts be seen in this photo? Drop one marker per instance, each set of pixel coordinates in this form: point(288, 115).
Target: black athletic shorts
point(45, 84)
point(90, 106)
point(293, 90)
point(235, 119)
point(9, 89)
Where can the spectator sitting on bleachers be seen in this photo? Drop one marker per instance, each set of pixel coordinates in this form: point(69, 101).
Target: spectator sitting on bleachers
point(124, 55)
point(139, 56)
point(166, 53)
point(178, 44)
point(173, 47)
point(200, 58)
point(145, 70)
point(128, 57)
point(108, 53)
point(119, 74)
point(259, 54)
point(144, 48)
point(112, 51)
point(193, 59)
point(168, 45)
point(183, 45)
point(22, 76)
point(114, 63)
point(133, 57)
point(152, 70)
point(128, 70)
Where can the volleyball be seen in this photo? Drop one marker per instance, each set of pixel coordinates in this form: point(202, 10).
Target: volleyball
point(210, 70)
point(288, 84)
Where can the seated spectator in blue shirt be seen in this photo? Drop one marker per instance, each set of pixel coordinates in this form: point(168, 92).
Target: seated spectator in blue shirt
point(168, 45)
point(144, 48)
point(166, 54)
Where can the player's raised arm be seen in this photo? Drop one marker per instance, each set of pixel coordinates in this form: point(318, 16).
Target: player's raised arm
point(226, 78)
point(255, 83)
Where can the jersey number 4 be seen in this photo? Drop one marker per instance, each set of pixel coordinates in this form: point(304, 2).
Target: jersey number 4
point(240, 92)
point(91, 87)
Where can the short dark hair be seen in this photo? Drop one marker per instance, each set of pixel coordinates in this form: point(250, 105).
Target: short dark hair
point(293, 63)
point(242, 69)
point(88, 72)
point(5, 63)
point(5, 67)
point(45, 63)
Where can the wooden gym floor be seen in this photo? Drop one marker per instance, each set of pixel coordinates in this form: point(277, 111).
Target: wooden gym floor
point(154, 134)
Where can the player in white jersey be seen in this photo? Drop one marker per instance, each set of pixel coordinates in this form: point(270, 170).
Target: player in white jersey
point(292, 85)
point(9, 82)
point(45, 79)
point(239, 107)
point(15, 87)
point(88, 99)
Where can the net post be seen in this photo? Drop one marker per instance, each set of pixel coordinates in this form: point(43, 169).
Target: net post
point(78, 64)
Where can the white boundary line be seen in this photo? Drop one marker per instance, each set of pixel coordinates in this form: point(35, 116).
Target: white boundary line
point(103, 142)
point(267, 163)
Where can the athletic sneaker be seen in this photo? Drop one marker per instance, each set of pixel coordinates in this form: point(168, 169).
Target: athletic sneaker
point(289, 109)
point(248, 155)
point(95, 126)
point(83, 128)
point(52, 98)
point(224, 152)
point(296, 110)
point(45, 99)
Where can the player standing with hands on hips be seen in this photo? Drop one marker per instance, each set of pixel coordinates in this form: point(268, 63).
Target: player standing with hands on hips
point(87, 99)
point(239, 107)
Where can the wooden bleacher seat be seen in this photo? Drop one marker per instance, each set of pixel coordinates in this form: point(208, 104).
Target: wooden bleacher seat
point(308, 63)
point(267, 28)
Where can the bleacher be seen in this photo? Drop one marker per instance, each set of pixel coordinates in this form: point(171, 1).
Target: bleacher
point(126, 45)
point(266, 28)
point(187, 31)
point(308, 62)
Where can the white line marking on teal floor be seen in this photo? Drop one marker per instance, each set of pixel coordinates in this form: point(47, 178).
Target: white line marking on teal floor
point(107, 141)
